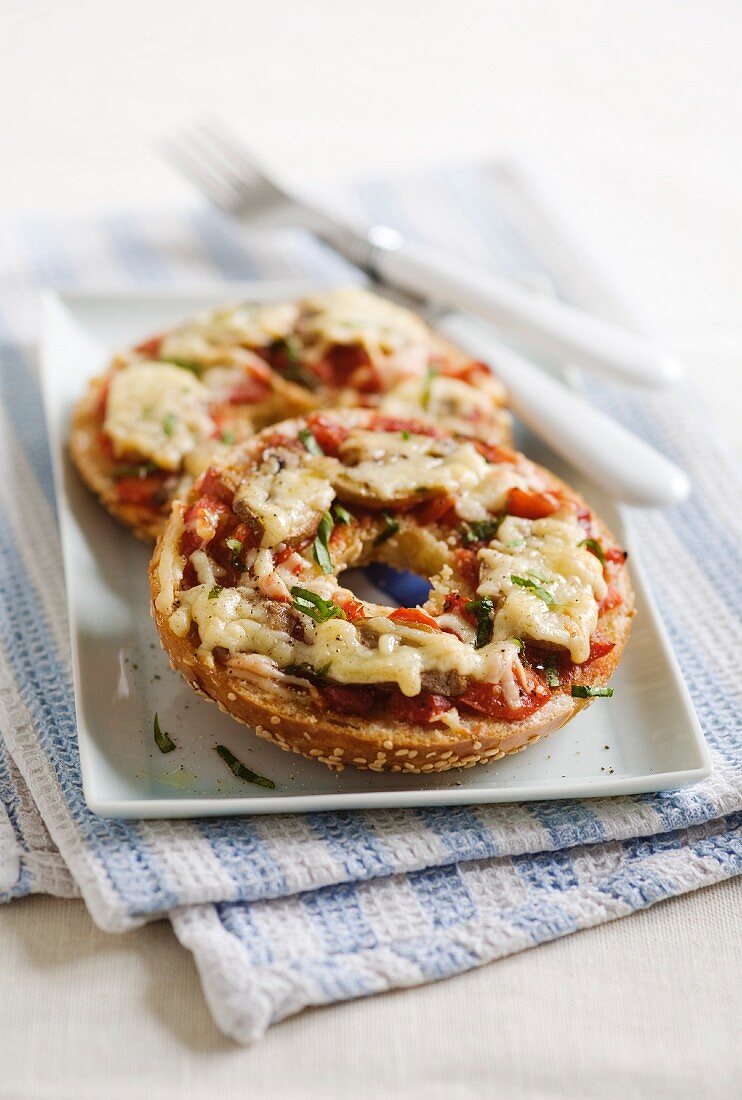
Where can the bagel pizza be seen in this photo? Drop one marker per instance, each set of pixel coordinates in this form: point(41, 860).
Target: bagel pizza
point(165, 408)
point(529, 610)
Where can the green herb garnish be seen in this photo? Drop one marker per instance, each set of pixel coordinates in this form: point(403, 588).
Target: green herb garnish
point(483, 609)
point(168, 424)
point(163, 740)
point(584, 691)
point(481, 530)
point(518, 643)
point(307, 672)
point(294, 371)
point(241, 770)
point(427, 386)
point(595, 548)
point(227, 437)
point(542, 593)
point(215, 591)
point(342, 515)
point(309, 603)
point(310, 443)
point(391, 526)
point(405, 435)
point(186, 364)
point(321, 548)
point(552, 675)
point(236, 547)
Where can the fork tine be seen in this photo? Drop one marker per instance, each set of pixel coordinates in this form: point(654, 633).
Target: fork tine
point(216, 186)
point(235, 157)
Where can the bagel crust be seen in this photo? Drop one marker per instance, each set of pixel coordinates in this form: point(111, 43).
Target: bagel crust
point(165, 409)
point(493, 695)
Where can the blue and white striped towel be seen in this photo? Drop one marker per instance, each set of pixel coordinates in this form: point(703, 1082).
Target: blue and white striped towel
point(282, 912)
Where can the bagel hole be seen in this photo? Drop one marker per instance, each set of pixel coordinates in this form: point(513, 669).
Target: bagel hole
point(380, 583)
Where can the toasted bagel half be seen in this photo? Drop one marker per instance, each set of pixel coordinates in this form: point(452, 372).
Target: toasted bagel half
point(528, 615)
point(165, 409)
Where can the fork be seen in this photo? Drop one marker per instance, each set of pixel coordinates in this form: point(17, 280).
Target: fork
point(610, 455)
point(231, 177)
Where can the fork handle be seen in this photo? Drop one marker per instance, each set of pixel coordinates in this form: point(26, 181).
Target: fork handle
point(545, 323)
point(611, 456)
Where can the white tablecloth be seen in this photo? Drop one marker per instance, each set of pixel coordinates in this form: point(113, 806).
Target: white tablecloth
point(645, 1007)
point(633, 107)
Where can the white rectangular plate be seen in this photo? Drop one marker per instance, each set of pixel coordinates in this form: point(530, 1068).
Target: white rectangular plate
point(646, 738)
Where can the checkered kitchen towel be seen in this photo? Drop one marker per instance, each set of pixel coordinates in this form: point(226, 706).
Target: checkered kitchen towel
point(282, 912)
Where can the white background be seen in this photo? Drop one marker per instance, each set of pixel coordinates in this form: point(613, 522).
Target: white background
point(634, 112)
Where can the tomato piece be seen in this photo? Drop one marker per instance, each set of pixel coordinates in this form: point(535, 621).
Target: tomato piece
point(354, 610)
point(456, 604)
point(328, 433)
point(350, 699)
point(249, 391)
point(211, 485)
point(599, 647)
point(150, 347)
point(413, 616)
point(468, 566)
point(438, 510)
point(472, 372)
point(400, 424)
point(204, 520)
point(494, 453)
point(340, 363)
point(613, 599)
point(531, 505)
point(418, 708)
point(616, 555)
point(144, 491)
point(487, 699)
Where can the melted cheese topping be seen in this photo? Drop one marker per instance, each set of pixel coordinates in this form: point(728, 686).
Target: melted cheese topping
point(544, 552)
point(158, 411)
point(353, 316)
point(447, 400)
point(251, 325)
point(238, 621)
point(288, 503)
point(555, 604)
point(388, 467)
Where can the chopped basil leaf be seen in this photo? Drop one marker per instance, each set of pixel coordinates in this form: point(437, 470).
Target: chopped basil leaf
point(595, 548)
point(241, 771)
point(483, 609)
point(552, 675)
point(227, 437)
point(481, 530)
point(537, 576)
point(294, 371)
point(215, 591)
point(163, 740)
point(236, 547)
point(321, 548)
point(309, 603)
point(310, 443)
point(518, 643)
point(542, 593)
point(306, 671)
point(405, 435)
point(168, 424)
point(186, 364)
point(391, 526)
point(584, 691)
point(342, 515)
point(425, 389)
